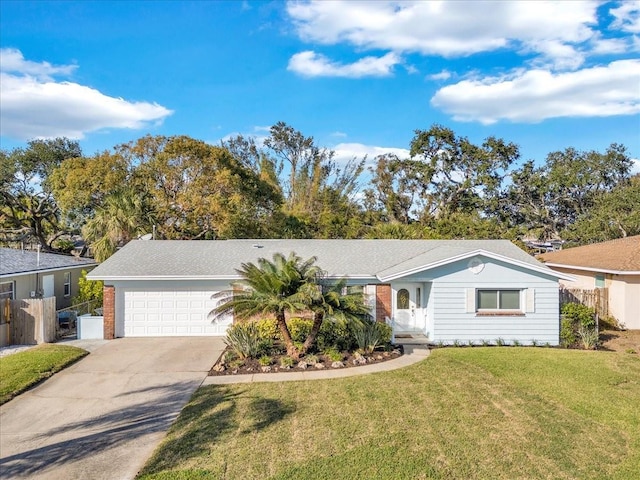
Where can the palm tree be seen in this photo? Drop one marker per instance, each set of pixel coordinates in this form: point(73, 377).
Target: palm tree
point(271, 288)
point(331, 300)
point(122, 217)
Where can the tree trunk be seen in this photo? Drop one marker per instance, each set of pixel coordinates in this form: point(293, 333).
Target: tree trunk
point(318, 317)
point(292, 351)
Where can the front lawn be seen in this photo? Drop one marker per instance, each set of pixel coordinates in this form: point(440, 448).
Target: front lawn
point(506, 412)
point(24, 369)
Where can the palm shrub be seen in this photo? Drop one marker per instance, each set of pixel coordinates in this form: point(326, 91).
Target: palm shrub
point(245, 341)
point(271, 288)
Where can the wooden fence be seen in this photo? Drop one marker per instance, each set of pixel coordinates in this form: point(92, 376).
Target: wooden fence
point(598, 299)
point(30, 321)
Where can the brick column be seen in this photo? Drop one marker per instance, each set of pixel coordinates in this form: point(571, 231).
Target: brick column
point(109, 311)
point(383, 302)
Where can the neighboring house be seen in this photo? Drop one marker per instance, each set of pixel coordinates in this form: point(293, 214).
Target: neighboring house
point(449, 290)
point(614, 264)
point(29, 274)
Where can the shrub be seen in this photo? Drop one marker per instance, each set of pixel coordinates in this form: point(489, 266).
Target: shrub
point(244, 339)
point(265, 360)
point(336, 334)
point(515, 343)
point(500, 342)
point(369, 335)
point(333, 354)
point(286, 362)
point(299, 328)
point(268, 329)
point(534, 343)
point(588, 337)
point(579, 314)
point(567, 332)
point(311, 359)
point(578, 322)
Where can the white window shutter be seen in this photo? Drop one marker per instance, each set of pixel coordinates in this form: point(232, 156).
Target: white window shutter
point(471, 300)
point(531, 300)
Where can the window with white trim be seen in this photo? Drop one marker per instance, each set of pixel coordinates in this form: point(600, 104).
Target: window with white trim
point(67, 284)
point(488, 300)
point(7, 290)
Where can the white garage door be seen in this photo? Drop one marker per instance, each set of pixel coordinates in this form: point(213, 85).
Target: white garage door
point(170, 313)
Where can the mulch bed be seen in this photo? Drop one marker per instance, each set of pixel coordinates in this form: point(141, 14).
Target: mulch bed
point(350, 360)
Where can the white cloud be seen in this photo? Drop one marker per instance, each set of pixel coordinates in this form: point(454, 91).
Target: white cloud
point(339, 134)
point(346, 151)
point(553, 30)
point(535, 95)
point(34, 105)
point(12, 61)
point(312, 64)
point(627, 16)
point(635, 166)
point(443, 75)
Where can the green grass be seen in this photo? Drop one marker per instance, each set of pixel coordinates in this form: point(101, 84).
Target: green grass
point(24, 369)
point(462, 413)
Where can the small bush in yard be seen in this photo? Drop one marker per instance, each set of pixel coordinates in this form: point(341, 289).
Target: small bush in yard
point(578, 323)
point(287, 362)
point(299, 328)
point(588, 337)
point(265, 360)
point(336, 334)
point(369, 335)
point(245, 341)
point(333, 354)
point(268, 328)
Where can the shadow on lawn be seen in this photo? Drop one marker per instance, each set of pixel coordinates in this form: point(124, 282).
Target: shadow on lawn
point(208, 417)
point(77, 440)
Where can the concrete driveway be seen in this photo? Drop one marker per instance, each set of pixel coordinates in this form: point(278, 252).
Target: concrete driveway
point(103, 417)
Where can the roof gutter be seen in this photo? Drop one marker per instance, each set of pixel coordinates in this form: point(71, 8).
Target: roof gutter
point(594, 269)
point(44, 270)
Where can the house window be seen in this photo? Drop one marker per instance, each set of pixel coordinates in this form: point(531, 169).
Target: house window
point(498, 300)
point(67, 284)
point(7, 291)
point(402, 299)
point(599, 280)
point(418, 297)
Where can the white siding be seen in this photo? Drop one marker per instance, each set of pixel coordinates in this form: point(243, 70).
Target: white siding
point(452, 301)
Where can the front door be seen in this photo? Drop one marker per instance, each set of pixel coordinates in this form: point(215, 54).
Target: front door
point(408, 314)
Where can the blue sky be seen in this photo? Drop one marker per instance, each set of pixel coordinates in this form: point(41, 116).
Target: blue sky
point(358, 76)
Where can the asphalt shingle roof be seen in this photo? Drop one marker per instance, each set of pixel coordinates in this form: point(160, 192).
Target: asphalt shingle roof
point(354, 258)
point(15, 262)
point(621, 255)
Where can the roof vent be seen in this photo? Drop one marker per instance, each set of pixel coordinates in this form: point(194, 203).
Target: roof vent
point(257, 245)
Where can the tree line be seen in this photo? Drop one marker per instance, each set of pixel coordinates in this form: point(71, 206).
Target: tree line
point(287, 186)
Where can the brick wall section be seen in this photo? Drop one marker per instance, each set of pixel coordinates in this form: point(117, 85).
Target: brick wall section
point(109, 311)
point(383, 302)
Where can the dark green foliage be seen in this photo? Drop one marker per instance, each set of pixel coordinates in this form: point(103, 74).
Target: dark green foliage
point(577, 322)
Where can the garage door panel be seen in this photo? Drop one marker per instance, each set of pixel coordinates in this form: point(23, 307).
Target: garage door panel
point(171, 313)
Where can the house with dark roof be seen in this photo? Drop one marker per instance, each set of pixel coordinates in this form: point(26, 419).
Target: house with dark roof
point(446, 290)
point(614, 265)
point(32, 274)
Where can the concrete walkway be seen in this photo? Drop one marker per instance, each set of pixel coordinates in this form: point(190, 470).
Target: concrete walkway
point(412, 354)
point(103, 417)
